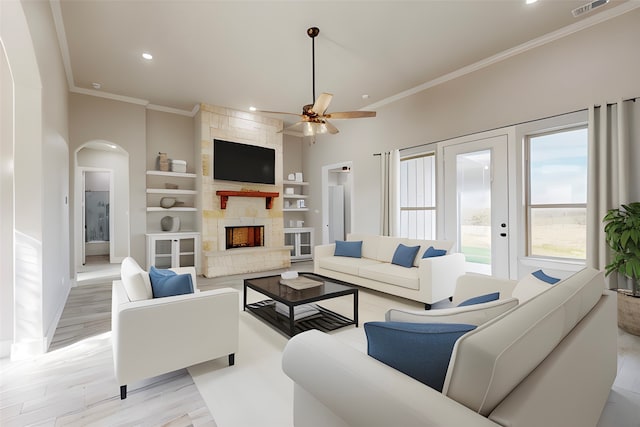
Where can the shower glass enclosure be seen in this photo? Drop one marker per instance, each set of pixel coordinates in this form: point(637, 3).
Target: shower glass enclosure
point(97, 216)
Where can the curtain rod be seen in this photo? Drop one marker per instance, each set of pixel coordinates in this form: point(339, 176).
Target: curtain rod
point(516, 124)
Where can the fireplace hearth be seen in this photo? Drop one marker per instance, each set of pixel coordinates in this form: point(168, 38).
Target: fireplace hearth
point(244, 236)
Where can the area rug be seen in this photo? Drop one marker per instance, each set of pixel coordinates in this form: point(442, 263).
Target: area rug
point(255, 391)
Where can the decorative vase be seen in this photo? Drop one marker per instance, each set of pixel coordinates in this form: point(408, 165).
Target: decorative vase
point(162, 162)
point(167, 202)
point(170, 223)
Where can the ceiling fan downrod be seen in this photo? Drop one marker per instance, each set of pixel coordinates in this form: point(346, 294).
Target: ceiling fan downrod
point(313, 33)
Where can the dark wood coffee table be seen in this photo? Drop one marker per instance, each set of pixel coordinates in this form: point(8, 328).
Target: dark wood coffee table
point(325, 320)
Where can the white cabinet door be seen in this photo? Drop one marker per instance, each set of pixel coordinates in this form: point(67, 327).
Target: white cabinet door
point(170, 250)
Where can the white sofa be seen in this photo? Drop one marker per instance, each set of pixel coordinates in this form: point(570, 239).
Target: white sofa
point(430, 279)
point(549, 361)
point(155, 336)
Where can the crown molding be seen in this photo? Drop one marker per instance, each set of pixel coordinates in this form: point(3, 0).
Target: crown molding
point(532, 44)
point(172, 110)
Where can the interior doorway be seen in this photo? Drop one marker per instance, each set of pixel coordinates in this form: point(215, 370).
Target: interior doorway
point(97, 222)
point(101, 211)
point(337, 201)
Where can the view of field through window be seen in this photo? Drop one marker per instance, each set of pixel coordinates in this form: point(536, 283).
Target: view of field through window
point(557, 202)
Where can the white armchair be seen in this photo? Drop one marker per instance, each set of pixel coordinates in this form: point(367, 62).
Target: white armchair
point(155, 336)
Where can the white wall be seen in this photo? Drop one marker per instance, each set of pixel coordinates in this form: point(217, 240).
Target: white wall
point(40, 174)
point(595, 65)
point(124, 124)
point(6, 206)
point(171, 134)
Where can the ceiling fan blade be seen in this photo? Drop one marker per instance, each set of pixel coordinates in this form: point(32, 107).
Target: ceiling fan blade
point(350, 115)
point(322, 103)
point(278, 112)
point(331, 128)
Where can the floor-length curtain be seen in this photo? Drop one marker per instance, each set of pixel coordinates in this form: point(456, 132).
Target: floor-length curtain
point(390, 193)
point(609, 176)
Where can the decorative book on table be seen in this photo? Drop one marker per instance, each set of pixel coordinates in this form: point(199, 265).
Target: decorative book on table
point(299, 312)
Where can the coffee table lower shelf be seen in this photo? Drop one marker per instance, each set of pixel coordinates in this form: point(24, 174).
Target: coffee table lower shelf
point(325, 321)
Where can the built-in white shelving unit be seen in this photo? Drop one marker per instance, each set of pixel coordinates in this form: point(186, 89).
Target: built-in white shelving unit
point(296, 236)
point(175, 248)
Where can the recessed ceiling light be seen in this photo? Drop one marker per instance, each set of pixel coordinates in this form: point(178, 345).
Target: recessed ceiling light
point(365, 96)
point(252, 108)
point(531, 1)
point(112, 146)
point(96, 85)
point(147, 55)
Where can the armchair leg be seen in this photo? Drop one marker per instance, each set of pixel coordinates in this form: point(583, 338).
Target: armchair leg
point(123, 392)
point(427, 306)
point(232, 359)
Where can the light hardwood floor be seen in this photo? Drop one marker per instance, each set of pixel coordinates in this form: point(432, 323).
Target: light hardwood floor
point(73, 384)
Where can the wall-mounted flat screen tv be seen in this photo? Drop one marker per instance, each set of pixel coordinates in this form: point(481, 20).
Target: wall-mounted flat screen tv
point(233, 161)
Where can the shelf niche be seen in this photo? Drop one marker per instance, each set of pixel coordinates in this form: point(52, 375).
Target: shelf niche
point(224, 196)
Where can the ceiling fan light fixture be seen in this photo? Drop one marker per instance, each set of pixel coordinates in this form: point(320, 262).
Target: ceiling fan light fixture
point(314, 117)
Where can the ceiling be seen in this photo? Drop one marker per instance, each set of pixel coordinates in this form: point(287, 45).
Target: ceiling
point(239, 54)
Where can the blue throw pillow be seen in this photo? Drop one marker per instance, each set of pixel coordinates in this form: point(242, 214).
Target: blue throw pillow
point(405, 255)
point(350, 249)
point(420, 350)
point(166, 283)
point(545, 278)
point(433, 252)
point(480, 299)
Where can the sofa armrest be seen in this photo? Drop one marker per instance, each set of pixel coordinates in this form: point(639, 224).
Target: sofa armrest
point(322, 251)
point(439, 274)
point(476, 314)
point(472, 285)
point(162, 334)
point(336, 385)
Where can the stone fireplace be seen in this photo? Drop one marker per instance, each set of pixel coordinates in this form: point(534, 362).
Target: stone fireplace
point(241, 223)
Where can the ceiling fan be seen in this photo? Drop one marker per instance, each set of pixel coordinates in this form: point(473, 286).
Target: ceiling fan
point(314, 117)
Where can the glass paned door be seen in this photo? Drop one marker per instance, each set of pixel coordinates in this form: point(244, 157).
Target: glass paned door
point(476, 203)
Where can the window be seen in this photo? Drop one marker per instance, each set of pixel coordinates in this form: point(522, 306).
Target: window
point(418, 197)
point(557, 194)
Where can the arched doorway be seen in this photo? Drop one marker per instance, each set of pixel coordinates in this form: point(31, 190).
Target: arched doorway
point(108, 164)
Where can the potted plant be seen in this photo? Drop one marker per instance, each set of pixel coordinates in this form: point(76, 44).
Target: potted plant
point(622, 232)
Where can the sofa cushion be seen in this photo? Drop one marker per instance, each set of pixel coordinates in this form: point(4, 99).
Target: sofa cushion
point(135, 280)
point(420, 350)
point(345, 265)
point(433, 252)
point(488, 363)
point(391, 274)
point(349, 249)
point(539, 274)
point(530, 286)
point(405, 255)
point(166, 283)
point(370, 244)
point(480, 299)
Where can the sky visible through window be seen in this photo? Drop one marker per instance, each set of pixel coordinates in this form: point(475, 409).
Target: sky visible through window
point(559, 167)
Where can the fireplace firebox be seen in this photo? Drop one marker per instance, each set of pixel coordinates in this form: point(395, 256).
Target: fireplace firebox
point(244, 236)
